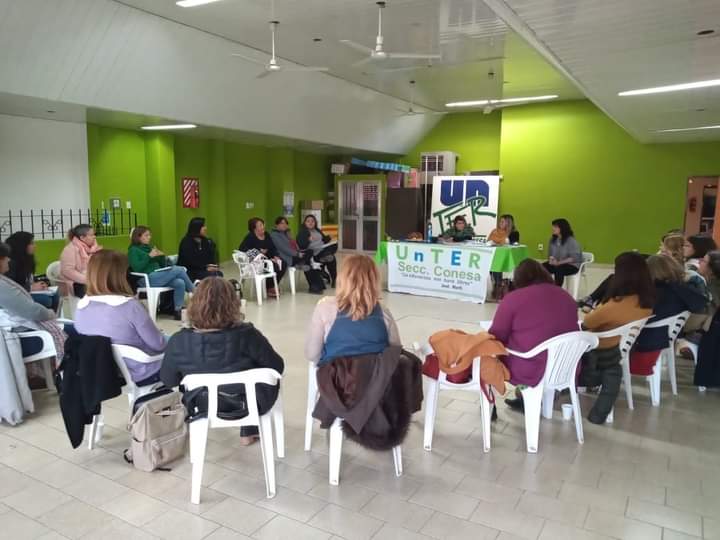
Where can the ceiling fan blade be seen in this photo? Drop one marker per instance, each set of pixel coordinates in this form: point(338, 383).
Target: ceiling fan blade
point(414, 56)
point(406, 68)
point(264, 74)
point(305, 68)
point(363, 61)
point(253, 60)
point(357, 46)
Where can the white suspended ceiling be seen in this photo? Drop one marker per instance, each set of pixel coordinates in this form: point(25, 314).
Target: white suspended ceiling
point(608, 46)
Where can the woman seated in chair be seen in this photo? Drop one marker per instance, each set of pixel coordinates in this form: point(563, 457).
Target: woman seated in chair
point(197, 252)
point(258, 241)
point(504, 234)
point(19, 311)
point(22, 269)
point(147, 259)
point(353, 322)
point(629, 297)
point(74, 258)
point(109, 309)
point(291, 255)
point(219, 342)
point(311, 239)
point(565, 254)
point(673, 296)
point(707, 369)
point(523, 320)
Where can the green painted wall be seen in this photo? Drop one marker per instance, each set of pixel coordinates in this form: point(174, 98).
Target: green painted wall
point(47, 251)
point(192, 159)
point(161, 188)
point(568, 159)
point(117, 168)
point(474, 136)
point(312, 182)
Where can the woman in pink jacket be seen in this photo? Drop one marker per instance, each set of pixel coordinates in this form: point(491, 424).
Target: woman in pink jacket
point(75, 256)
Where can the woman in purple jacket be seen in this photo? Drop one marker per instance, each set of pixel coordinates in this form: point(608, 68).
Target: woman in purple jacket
point(535, 311)
point(109, 309)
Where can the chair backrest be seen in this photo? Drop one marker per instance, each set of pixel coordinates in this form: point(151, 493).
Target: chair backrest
point(426, 349)
point(628, 334)
point(588, 258)
point(143, 278)
point(674, 324)
point(53, 273)
point(249, 378)
point(125, 351)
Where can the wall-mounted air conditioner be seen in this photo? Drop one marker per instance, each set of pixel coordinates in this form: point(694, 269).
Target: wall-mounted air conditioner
point(437, 164)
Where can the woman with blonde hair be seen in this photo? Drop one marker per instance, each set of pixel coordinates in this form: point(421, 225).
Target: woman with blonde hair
point(673, 246)
point(352, 322)
point(218, 341)
point(109, 309)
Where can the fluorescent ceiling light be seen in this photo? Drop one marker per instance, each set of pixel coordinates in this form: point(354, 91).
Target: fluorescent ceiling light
point(674, 130)
point(193, 3)
point(467, 103)
point(670, 88)
point(494, 101)
point(169, 126)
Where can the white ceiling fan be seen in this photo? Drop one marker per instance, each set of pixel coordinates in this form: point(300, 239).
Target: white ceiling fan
point(410, 111)
point(430, 64)
point(272, 66)
point(378, 53)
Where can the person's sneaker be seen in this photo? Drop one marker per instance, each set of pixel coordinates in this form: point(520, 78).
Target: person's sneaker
point(516, 404)
point(585, 304)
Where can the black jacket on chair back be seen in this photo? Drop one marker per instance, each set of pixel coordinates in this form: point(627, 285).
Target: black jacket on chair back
point(233, 349)
point(89, 377)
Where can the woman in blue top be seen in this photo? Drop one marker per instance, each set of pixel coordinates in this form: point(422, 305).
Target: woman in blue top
point(353, 322)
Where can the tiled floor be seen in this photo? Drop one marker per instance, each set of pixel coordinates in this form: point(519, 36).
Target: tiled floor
point(654, 474)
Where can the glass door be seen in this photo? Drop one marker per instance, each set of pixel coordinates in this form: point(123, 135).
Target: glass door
point(360, 213)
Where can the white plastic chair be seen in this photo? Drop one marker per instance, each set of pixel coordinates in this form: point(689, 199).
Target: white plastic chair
point(336, 433)
point(131, 390)
point(572, 283)
point(694, 350)
point(628, 334)
point(151, 293)
point(433, 387)
point(67, 301)
point(248, 271)
point(563, 354)
point(199, 428)
point(674, 326)
point(45, 356)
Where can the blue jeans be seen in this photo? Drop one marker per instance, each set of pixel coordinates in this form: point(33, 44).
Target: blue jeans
point(177, 278)
point(50, 301)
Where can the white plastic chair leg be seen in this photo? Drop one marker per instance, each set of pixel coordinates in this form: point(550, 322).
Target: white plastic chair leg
point(670, 357)
point(485, 413)
point(259, 290)
point(335, 452)
point(532, 401)
point(48, 373)
point(627, 383)
point(548, 400)
point(311, 399)
point(577, 414)
point(198, 445)
point(397, 459)
point(277, 289)
point(431, 398)
point(292, 273)
point(152, 301)
point(95, 431)
point(654, 381)
point(279, 425)
point(610, 417)
point(268, 454)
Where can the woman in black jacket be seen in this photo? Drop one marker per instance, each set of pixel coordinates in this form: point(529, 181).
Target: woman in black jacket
point(258, 240)
point(219, 342)
point(311, 238)
point(197, 252)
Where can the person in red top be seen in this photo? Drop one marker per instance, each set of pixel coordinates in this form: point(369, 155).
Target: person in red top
point(535, 311)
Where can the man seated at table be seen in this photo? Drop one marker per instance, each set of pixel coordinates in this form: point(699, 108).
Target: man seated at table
point(460, 231)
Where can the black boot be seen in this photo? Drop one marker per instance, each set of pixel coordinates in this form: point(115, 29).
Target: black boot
point(516, 404)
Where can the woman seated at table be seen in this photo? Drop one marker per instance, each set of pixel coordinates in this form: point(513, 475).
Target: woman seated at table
point(565, 253)
point(630, 296)
point(197, 253)
point(147, 259)
point(505, 233)
point(694, 250)
point(673, 296)
point(22, 269)
point(311, 238)
point(523, 321)
point(258, 241)
point(75, 256)
point(353, 322)
point(19, 311)
point(460, 230)
point(109, 309)
point(219, 342)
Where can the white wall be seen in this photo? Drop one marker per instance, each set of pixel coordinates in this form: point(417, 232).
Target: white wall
point(43, 164)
